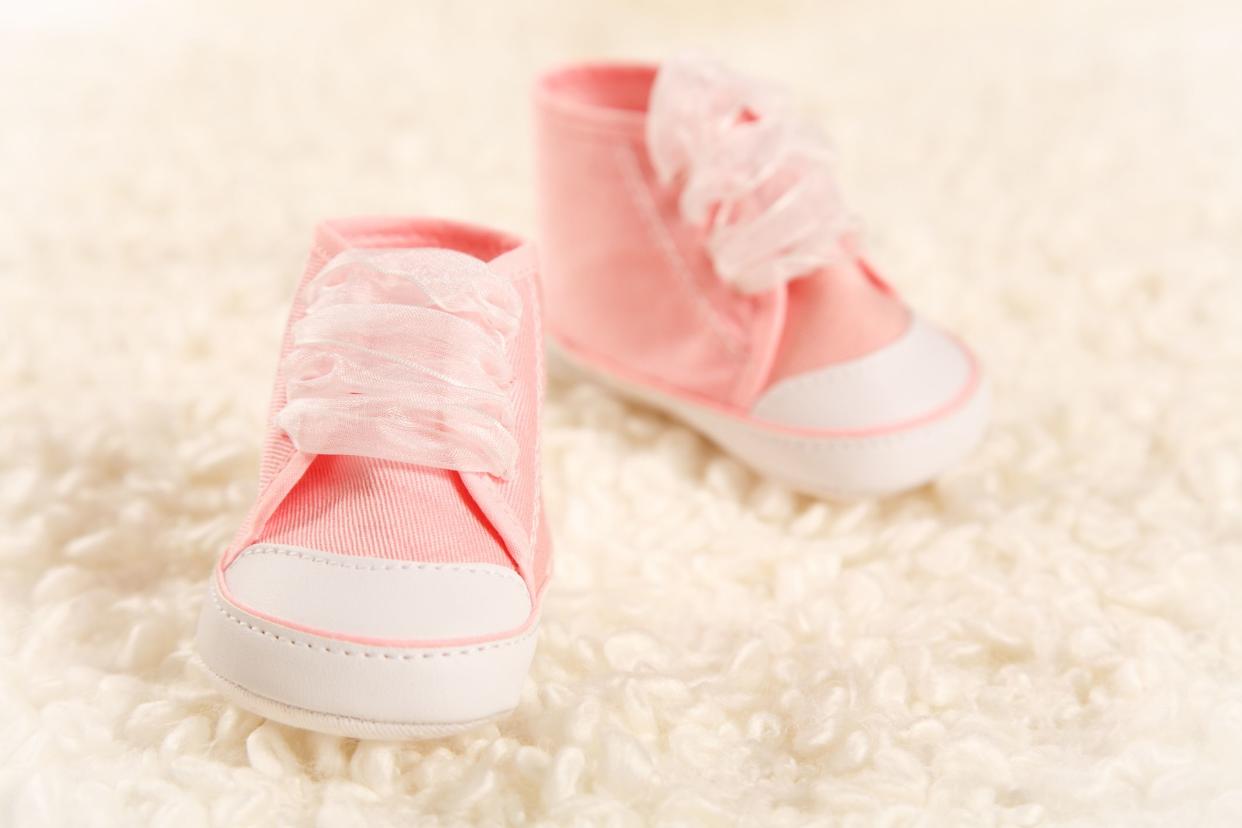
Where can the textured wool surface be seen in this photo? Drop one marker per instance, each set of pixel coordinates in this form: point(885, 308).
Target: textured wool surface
point(1050, 634)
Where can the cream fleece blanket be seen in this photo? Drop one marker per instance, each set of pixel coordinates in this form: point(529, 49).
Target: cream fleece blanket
point(1050, 635)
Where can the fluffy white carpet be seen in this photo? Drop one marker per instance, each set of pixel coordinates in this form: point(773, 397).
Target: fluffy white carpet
point(1052, 634)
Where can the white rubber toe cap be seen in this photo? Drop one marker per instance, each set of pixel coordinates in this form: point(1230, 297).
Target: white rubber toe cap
point(921, 372)
point(380, 599)
point(884, 423)
point(367, 647)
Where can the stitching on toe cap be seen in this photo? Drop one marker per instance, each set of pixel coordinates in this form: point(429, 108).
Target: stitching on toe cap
point(394, 566)
point(295, 640)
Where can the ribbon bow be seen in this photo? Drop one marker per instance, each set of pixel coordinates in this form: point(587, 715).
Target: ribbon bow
point(752, 176)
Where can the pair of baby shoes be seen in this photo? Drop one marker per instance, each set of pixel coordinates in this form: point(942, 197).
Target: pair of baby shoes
point(694, 255)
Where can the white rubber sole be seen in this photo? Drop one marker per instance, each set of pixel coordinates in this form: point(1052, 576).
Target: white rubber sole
point(363, 692)
point(828, 465)
point(348, 726)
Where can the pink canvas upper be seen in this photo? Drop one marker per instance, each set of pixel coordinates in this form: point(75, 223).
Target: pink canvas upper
point(393, 506)
point(631, 284)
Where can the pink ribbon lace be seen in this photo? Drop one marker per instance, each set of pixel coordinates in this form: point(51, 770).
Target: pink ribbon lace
point(404, 355)
point(752, 175)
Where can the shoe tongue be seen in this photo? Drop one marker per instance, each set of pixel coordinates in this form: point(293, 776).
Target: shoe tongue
point(834, 315)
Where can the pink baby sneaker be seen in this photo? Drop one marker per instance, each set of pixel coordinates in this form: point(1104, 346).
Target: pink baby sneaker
point(696, 256)
point(387, 582)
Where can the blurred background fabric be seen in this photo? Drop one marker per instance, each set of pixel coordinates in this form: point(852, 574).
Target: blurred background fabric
point(1049, 635)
